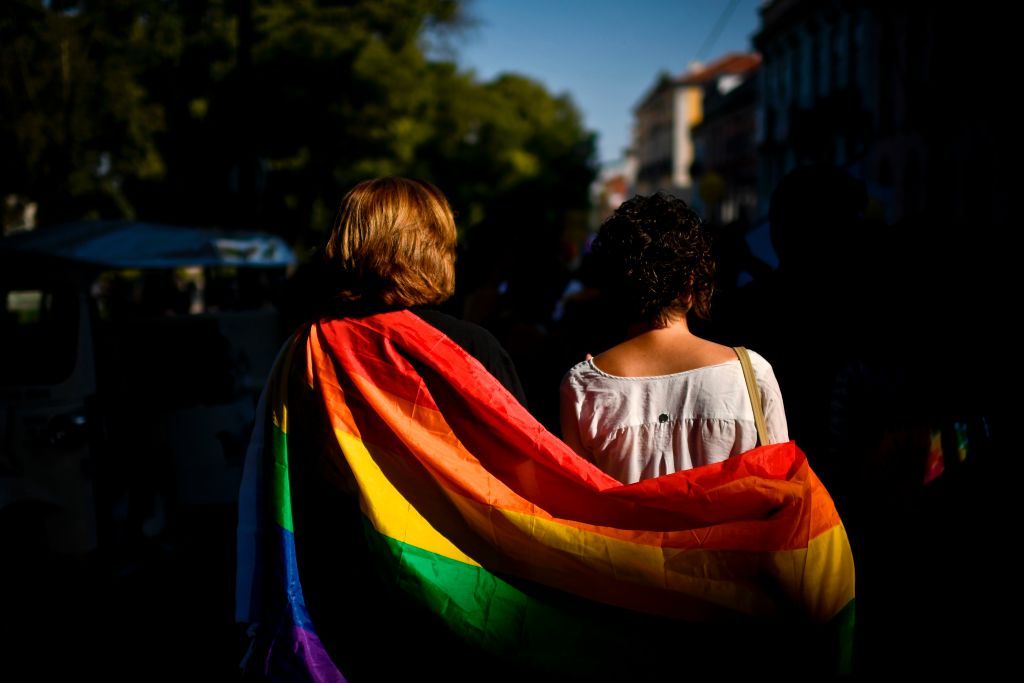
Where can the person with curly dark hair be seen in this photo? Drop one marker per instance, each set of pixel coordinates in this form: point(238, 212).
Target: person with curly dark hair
point(665, 399)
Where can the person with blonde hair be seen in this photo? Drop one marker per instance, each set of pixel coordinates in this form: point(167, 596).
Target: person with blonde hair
point(392, 247)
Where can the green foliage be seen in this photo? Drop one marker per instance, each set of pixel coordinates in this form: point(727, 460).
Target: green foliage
point(74, 116)
point(262, 113)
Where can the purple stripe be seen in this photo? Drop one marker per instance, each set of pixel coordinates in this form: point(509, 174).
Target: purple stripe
point(296, 655)
point(318, 664)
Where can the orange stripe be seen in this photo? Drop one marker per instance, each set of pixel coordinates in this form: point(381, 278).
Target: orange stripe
point(427, 436)
point(700, 584)
point(694, 492)
point(713, 566)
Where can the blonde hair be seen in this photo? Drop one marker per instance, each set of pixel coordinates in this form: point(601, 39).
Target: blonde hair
point(394, 238)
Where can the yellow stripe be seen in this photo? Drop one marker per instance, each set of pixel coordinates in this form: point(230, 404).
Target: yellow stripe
point(820, 578)
point(279, 396)
point(829, 591)
point(733, 579)
point(390, 513)
point(281, 418)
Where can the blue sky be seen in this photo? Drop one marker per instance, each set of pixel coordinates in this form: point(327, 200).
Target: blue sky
point(604, 53)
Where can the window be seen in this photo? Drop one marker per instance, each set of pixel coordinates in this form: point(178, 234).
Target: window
point(39, 333)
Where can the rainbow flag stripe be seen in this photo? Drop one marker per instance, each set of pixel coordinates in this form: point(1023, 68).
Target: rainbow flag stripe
point(519, 546)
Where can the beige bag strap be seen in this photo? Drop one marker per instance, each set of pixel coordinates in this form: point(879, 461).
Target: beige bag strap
point(754, 394)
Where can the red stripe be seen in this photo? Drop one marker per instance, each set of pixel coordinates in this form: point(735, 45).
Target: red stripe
point(541, 469)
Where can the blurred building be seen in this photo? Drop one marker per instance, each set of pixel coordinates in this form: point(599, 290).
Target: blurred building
point(725, 149)
point(663, 121)
point(614, 184)
point(883, 90)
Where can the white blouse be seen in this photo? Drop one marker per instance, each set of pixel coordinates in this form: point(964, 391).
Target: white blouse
point(636, 428)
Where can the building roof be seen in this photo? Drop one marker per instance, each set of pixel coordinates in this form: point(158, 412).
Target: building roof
point(732, 63)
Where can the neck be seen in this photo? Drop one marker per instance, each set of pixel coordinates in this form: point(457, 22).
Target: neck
point(653, 350)
point(674, 326)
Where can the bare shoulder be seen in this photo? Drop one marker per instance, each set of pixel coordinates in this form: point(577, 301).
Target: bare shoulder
point(618, 360)
point(643, 356)
point(712, 353)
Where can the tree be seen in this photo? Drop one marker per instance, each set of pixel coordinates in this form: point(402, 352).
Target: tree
point(75, 122)
point(262, 113)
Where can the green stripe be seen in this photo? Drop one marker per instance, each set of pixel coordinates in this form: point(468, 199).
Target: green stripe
point(538, 630)
point(282, 502)
point(842, 626)
point(485, 610)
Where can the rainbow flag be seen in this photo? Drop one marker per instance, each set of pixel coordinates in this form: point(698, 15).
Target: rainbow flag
point(516, 546)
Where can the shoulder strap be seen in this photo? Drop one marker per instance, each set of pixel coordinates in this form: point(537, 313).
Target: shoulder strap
point(754, 394)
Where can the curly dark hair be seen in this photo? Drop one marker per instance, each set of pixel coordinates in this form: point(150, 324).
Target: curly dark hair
point(652, 256)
